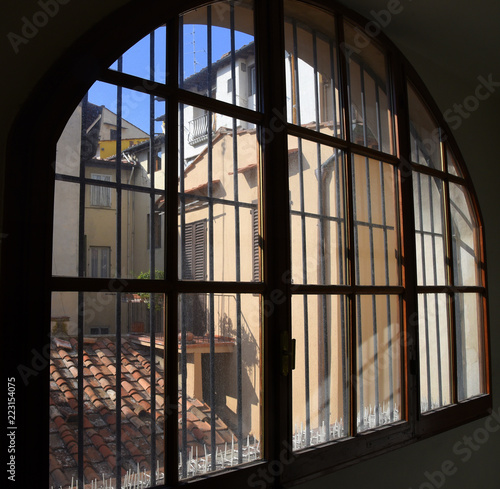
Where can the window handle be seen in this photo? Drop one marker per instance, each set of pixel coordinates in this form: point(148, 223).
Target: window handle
point(287, 353)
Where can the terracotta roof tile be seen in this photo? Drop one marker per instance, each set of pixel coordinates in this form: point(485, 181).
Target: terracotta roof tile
point(99, 411)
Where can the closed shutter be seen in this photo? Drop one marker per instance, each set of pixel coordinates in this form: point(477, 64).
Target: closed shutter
point(194, 253)
point(187, 252)
point(199, 249)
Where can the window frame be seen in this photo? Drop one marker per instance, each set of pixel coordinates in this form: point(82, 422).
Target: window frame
point(277, 388)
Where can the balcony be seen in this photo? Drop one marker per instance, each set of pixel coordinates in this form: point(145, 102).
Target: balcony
point(198, 130)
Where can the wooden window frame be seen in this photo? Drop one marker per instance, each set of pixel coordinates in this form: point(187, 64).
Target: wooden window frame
point(38, 206)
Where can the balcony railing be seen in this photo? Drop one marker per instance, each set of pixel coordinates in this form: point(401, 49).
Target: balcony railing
point(198, 130)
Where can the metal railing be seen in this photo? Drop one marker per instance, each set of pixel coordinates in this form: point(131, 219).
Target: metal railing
point(198, 129)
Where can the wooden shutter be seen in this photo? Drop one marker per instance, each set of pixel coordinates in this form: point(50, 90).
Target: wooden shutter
point(195, 251)
point(200, 250)
point(187, 253)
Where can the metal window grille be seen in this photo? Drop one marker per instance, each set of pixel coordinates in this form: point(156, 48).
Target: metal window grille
point(195, 243)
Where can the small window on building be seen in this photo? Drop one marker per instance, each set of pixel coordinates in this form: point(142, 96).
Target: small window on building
point(100, 261)
point(100, 196)
point(99, 331)
point(252, 82)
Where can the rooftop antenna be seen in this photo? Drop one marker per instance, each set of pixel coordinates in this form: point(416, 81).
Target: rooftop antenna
point(193, 42)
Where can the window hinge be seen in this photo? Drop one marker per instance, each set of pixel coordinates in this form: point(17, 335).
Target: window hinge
point(287, 353)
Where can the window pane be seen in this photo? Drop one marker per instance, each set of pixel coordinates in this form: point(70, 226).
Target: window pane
point(65, 244)
point(311, 68)
point(137, 59)
point(95, 453)
point(104, 136)
point(137, 233)
point(378, 330)
point(97, 118)
point(218, 195)
point(424, 133)
point(316, 183)
point(320, 379)
point(372, 123)
point(376, 231)
point(466, 237)
point(429, 230)
point(453, 166)
point(100, 255)
point(209, 62)
point(141, 165)
point(219, 381)
point(471, 359)
point(434, 348)
point(69, 146)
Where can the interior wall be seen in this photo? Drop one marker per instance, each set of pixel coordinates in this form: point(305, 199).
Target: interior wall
point(451, 48)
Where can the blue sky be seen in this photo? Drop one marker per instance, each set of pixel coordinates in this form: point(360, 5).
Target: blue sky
point(137, 59)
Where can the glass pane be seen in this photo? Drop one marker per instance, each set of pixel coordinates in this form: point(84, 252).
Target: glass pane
point(376, 231)
point(97, 118)
point(95, 159)
point(146, 58)
point(142, 115)
point(320, 379)
point(69, 146)
point(140, 455)
point(466, 237)
point(311, 68)
point(65, 244)
point(101, 121)
point(99, 240)
point(63, 398)
point(378, 330)
point(453, 166)
point(217, 52)
point(143, 223)
point(424, 133)
point(471, 368)
point(219, 381)
point(316, 183)
point(372, 123)
point(218, 209)
point(434, 348)
point(429, 230)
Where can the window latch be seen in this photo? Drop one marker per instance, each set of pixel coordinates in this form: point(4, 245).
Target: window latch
point(287, 353)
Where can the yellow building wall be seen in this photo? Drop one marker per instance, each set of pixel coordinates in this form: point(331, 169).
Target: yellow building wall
point(107, 148)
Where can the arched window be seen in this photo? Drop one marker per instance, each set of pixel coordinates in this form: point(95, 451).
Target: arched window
point(265, 246)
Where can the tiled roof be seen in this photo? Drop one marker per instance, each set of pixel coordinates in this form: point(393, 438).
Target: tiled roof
point(99, 411)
